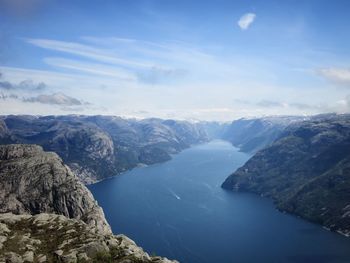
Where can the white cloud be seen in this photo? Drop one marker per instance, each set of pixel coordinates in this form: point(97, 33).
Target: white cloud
point(86, 51)
point(90, 68)
point(55, 99)
point(246, 20)
point(128, 77)
point(337, 75)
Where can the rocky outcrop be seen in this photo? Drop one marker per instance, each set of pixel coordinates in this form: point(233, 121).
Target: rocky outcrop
point(33, 181)
point(306, 171)
point(48, 215)
point(97, 147)
point(55, 238)
point(4, 133)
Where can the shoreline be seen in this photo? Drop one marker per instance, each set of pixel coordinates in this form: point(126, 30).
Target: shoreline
point(143, 165)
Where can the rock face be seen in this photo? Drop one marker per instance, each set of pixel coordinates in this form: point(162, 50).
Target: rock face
point(55, 238)
point(48, 215)
point(97, 147)
point(253, 134)
point(33, 181)
point(306, 171)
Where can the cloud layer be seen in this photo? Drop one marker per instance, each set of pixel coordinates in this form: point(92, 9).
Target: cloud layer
point(167, 79)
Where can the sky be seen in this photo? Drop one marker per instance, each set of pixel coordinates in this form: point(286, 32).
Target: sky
point(196, 60)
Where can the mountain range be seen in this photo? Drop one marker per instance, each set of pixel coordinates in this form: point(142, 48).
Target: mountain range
point(97, 147)
point(302, 163)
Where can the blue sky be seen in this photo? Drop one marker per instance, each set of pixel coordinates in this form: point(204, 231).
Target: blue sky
point(209, 60)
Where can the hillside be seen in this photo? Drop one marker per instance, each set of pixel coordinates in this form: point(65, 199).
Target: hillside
point(253, 134)
point(306, 171)
point(97, 147)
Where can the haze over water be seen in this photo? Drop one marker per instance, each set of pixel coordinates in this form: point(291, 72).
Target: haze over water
point(177, 209)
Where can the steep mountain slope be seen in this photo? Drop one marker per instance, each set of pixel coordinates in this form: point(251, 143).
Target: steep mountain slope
point(253, 134)
point(50, 216)
point(33, 181)
point(306, 171)
point(96, 147)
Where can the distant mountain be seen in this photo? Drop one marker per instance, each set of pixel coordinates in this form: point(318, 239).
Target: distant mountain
point(48, 215)
point(97, 147)
point(214, 129)
point(253, 134)
point(306, 171)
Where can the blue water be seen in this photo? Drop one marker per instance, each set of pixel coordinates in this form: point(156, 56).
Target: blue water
point(178, 210)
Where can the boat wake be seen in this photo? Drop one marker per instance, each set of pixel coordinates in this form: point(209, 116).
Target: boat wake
point(174, 194)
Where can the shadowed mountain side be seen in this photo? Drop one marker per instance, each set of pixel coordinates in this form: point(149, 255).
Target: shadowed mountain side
point(253, 134)
point(306, 171)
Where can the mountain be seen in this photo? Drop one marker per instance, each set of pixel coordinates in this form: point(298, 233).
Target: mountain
point(306, 171)
point(253, 134)
point(48, 215)
point(214, 129)
point(97, 147)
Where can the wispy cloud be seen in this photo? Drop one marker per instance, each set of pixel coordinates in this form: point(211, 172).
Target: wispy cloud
point(85, 51)
point(4, 96)
point(246, 20)
point(123, 52)
point(337, 75)
point(269, 104)
point(24, 85)
point(134, 60)
point(158, 75)
point(91, 68)
point(24, 90)
point(55, 99)
point(131, 76)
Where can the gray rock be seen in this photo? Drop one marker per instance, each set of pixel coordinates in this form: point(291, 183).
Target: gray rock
point(33, 181)
point(53, 230)
point(11, 257)
point(36, 182)
point(41, 258)
point(28, 256)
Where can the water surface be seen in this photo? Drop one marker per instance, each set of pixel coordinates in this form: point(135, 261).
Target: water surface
point(177, 209)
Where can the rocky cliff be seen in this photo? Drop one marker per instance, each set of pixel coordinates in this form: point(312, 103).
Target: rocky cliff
point(97, 147)
point(33, 181)
point(306, 171)
point(48, 215)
